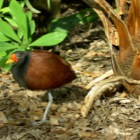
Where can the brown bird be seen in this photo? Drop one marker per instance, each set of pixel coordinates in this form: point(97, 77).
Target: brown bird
point(40, 70)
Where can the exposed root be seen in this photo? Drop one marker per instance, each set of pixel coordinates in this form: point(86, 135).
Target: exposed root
point(100, 78)
point(98, 90)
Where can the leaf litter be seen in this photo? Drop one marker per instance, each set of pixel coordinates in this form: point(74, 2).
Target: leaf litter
point(110, 117)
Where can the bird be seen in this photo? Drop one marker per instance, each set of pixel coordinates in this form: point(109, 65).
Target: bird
point(40, 70)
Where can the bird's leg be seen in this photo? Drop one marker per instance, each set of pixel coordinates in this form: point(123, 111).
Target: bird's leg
point(50, 98)
point(44, 118)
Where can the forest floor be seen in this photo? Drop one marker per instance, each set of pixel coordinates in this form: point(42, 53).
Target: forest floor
point(110, 118)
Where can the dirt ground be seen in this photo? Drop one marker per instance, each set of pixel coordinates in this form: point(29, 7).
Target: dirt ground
point(110, 118)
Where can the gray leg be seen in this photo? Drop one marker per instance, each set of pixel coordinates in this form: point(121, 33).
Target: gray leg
point(50, 97)
point(44, 118)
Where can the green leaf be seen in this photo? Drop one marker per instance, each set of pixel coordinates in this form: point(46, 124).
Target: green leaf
point(31, 23)
point(1, 3)
point(3, 37)
point(32, 27)
point(5, 10)
point(4, 46)
point(11, 21)
point(3, 63)
point(49, 4)
point(7, 30)
point(31, 7)
point(20, 18)
point(67, 23)
point(2, 54)
point(50, 39)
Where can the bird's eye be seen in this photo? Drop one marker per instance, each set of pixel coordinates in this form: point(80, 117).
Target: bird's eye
point(18, 55)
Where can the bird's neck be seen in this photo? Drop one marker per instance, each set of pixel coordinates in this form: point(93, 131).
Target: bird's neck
point(20, 70)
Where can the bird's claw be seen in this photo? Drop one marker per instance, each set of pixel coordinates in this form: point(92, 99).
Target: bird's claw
point(36, 123)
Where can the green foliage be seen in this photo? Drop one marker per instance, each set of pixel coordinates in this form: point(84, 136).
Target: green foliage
point(16, 33)
point(27, 2)
point(1, 3)
point(20, 19)
point(49, 4)
point(46, 40)
point(17, 28)
point(67, 23)
point(7, 32)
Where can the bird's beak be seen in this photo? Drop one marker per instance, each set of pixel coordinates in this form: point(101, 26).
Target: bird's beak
point(9, 61)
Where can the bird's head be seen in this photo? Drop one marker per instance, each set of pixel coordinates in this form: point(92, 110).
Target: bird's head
point(17, 57)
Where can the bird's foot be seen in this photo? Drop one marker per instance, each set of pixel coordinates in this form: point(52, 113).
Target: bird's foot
point(36, 123)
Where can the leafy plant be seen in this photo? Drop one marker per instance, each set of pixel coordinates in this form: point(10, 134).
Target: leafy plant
point(67, 23)
point(4, 11)
point(17, 34)
point(17, 29)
